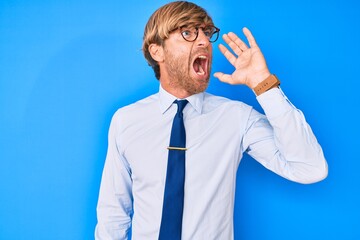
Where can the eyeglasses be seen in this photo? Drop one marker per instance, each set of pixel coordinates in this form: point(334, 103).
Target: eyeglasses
point(191, 33)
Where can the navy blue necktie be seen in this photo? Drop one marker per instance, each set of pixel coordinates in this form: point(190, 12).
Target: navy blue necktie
point(171, 221)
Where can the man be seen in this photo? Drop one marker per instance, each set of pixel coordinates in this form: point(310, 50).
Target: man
point(138, 175)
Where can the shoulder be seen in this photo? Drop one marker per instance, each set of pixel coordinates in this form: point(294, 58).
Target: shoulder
point(213, 102)
point(137, 110)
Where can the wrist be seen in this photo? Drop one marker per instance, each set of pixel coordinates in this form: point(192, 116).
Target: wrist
point(258, 78)
point(268, 83)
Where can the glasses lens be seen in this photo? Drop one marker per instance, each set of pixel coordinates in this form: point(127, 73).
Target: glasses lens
point(214, 34)
point(189, 33)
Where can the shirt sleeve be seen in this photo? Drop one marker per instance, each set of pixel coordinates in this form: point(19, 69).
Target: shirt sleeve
point(114, 207)
point(283, 141)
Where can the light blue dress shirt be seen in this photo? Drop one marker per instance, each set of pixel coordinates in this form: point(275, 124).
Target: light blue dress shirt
point(218, 132)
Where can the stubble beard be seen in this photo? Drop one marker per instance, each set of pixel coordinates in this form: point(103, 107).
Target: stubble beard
point(179, 68)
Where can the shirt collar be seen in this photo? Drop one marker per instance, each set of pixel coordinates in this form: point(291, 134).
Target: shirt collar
point(166, 100)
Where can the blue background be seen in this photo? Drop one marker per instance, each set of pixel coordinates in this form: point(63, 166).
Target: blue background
point(66, 66)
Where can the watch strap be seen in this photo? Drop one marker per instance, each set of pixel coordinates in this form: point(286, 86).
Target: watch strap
point(270, 82)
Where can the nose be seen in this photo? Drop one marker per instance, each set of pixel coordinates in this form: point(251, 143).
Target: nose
point(202, 39)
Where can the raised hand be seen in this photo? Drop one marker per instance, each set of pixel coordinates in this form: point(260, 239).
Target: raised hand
point(249, 62)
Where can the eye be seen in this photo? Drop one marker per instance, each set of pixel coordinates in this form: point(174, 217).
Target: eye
point(208, 32)
point(186, 33)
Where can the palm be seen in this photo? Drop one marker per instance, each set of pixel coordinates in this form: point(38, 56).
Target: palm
point(250, 65)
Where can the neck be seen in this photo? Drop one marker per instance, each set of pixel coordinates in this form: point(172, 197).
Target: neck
point(177, 92)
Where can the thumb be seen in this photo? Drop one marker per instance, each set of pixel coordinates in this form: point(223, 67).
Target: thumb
point(223, 77)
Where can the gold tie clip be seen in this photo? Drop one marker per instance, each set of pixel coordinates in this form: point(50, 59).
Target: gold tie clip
point(177, 148)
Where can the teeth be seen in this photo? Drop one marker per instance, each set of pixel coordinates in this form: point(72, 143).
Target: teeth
point(202, 57)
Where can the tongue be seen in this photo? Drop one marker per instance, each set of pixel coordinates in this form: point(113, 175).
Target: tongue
point(198, 67)
point(201, 70)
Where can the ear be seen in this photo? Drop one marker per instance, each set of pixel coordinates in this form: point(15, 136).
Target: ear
point(157, 52)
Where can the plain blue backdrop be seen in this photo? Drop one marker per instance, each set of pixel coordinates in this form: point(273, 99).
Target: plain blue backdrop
point(66, 66)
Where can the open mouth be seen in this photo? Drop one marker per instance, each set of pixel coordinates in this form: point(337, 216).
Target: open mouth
point(200, 65)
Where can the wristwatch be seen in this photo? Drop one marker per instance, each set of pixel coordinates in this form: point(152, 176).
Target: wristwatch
point(268, 83)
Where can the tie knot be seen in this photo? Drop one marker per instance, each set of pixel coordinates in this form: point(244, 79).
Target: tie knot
point(181, 105)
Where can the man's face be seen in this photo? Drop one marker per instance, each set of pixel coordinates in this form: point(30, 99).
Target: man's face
point(187, 65)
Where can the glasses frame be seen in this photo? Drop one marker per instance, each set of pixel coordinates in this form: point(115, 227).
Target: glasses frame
point(217, 31)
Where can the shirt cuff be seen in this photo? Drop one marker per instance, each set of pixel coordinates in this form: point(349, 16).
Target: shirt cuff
point(275, 103)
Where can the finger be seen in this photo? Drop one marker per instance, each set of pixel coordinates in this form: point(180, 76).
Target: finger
point(238, 41)
point(223, 77)
point(232, 44)
point(229, 56)
point(249, 37)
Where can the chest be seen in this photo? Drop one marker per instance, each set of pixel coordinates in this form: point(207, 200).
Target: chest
point(213, 141)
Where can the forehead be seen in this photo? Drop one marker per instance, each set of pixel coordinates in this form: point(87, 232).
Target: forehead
point(191, 24)
point(194, 25)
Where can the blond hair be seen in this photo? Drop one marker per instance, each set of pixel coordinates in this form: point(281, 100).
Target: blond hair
point(167, 19)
